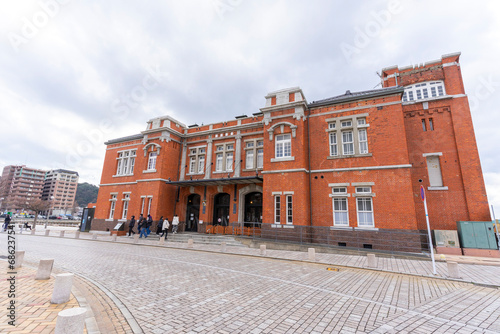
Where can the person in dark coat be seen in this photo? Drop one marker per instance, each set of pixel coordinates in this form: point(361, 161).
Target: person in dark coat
point(159, 227)
point(131, 225)
point(142, 227)
point(6, 223)
point(149, 223)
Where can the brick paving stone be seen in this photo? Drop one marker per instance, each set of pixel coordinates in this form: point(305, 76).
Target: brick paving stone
point(203, 290)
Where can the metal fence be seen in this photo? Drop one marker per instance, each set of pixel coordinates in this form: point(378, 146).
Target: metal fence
point(392, 241)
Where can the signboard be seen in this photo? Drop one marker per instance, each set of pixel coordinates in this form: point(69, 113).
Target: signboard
point(117, 227)
point(422, 192)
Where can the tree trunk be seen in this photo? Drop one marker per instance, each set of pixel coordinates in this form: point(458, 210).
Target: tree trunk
point(34, 220)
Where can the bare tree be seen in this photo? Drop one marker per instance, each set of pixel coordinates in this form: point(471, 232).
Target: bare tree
point(37, 205)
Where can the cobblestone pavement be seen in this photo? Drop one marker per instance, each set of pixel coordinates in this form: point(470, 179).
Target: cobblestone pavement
point(175, 290)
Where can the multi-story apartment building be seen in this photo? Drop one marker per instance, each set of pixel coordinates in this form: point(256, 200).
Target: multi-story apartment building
point(20, 184)
point(60, 187)
point(352, 163)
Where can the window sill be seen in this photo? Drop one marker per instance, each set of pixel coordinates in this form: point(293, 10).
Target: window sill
point(195, 174)
point(367, 228)
point(282, 159)
point(149, 171)
point(108, 220)
point(222, 172)
point(340, 228)
point(349, 156)
point(442, 97)
point(252, 169)
point(122, 220)
point(288, 226)
point(123, 175)
point(437, 188)
point(275, 225)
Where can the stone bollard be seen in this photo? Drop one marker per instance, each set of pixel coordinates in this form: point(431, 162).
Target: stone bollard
point(19, 259)
point(47, 232)
point(44, 269)
point(33, 231)
point(190, 243)
point(61, 234)
point(312, 254)
point(94, 236)
point(223, 246)
point(136, 238)
point(263, 250)
point(372, 261)
point(453, 269)
point(77, 235)
point(114, 237)
point(161, 242)
point(62, 288)
point(71, 321)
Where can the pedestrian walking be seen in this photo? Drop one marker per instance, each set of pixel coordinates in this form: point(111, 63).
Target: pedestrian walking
point(159, 226)
point(6, 223)
point(131, 225)
point(175, 224)
point(149, 223)
point(143, 228)
point(164, 228)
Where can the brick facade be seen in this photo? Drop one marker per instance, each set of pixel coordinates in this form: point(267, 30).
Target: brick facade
point(353, 162)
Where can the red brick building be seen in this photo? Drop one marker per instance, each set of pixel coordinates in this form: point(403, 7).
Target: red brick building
point(353, 162)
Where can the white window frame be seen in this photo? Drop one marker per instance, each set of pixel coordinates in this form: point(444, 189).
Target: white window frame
point(150, 201)
point(224, 157)
point(126, 199)
point(424, 91)
point(152, 160)
point(197, 159)
point(254, 156)
point(112, 206)
point(289, 209)
point(354, 128)
point(346, 211)
point(349, 144)
point(370, 212)
point(143, 201)
point(283, 146)
point(334, 149)
point(277, 209)
point(363, 142)
point(125, 162)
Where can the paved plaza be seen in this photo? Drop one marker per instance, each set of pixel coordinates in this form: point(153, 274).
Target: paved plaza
point(147, 288)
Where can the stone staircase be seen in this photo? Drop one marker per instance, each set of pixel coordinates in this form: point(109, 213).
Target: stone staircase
point(199, 238)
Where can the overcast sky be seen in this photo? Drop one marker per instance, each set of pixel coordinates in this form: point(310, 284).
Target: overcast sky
point(76, 73)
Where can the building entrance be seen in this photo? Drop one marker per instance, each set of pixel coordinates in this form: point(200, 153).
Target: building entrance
point(192, 212)
point(253, 208)
point(221, 209)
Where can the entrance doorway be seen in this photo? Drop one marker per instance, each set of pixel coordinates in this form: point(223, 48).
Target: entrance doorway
point(192, 212)
point(253, 209)
point(221, 209)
